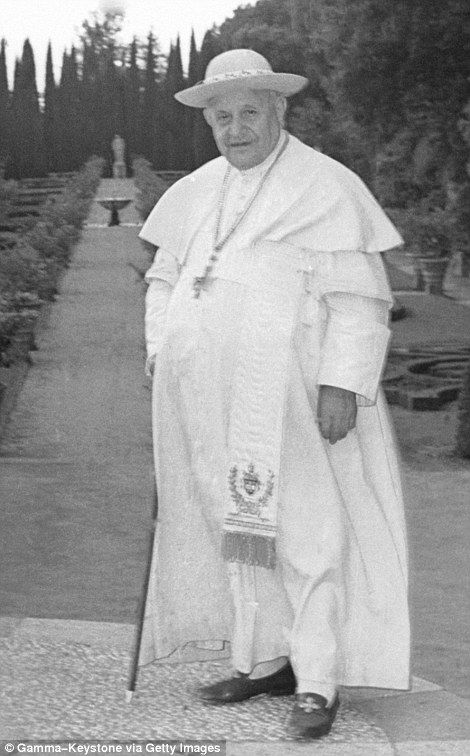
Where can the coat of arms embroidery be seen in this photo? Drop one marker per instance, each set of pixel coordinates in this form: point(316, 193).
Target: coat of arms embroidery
point(248, 491)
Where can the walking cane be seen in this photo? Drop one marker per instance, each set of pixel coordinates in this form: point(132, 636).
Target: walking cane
point(134, 670)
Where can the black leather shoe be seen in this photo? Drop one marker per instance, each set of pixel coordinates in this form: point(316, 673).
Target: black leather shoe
point(311, 717)
point(281, 683)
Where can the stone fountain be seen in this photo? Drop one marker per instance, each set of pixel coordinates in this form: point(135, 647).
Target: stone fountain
point(114, 205)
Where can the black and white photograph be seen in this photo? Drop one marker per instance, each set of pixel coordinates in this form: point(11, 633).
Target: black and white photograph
point(235, 377)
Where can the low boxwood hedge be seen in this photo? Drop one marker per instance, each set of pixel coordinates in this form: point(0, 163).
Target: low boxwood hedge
point(29, 271)
point(150, 187)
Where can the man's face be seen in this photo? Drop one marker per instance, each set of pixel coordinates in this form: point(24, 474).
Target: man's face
point(246, 125)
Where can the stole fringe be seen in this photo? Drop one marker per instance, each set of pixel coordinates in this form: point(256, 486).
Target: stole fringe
point(249, 548)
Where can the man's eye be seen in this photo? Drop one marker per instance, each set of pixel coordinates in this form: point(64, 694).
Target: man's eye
point(251, 111)
point(222, 117)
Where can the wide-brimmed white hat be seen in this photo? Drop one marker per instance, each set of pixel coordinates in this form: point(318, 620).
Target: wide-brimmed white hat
point(236, 68)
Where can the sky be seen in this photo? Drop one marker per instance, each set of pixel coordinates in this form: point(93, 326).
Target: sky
point(60, 20)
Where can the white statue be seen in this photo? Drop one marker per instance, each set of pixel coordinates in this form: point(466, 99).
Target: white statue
point(119, 165)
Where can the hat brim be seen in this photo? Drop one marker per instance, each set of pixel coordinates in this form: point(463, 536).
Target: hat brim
point(200, 95)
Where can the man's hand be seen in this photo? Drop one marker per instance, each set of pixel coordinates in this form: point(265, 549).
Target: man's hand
point(336, 412)
point(150, 365)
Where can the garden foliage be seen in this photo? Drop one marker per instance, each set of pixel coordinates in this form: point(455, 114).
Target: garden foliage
point(150, 187)
point(463, 431)
point(29, 271)
point(389, 90)
point(389, 94)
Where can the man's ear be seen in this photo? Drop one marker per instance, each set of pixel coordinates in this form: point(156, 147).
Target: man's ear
point(208, 116)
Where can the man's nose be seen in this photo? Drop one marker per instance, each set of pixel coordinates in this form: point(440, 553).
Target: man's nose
point(235, 127)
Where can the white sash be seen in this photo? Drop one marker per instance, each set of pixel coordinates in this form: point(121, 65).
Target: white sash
point(274, 281)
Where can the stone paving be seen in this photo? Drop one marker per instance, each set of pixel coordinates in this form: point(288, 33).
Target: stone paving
point(67, 680)
point(82, 692)
point(75, 494)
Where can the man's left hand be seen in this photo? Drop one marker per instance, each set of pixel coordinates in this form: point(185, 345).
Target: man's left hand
point(336, 412)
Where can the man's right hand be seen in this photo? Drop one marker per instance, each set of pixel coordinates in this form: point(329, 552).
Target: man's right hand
point(336, 412)
point(150, 364)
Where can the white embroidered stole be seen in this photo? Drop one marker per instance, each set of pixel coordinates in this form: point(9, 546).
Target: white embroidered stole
point(273, 287)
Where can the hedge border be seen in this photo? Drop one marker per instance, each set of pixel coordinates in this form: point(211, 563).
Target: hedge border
point(32, 319)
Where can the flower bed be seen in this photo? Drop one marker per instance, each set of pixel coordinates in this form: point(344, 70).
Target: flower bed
point(425, 378)
point(29, 270)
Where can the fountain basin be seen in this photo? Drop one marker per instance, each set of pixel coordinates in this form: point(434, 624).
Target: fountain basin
point(114, 205)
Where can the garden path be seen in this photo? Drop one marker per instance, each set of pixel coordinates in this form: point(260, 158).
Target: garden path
point(77, 449)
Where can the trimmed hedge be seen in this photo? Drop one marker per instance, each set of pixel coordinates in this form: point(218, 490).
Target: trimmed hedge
point(150, 187)
point(29, 271)
point(8, 194)
point(463, 429)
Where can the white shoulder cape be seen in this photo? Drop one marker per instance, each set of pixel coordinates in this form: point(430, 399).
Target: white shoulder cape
point(318, 205)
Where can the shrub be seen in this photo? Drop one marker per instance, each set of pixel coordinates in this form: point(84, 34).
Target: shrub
point(426, 233)
point(150, 187)
point(29, 271)
point(463, 429)
point(9, 323)
point(8, 193)
point(21, 270)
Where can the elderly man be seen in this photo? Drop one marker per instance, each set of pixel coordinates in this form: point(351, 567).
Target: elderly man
point(281, 520)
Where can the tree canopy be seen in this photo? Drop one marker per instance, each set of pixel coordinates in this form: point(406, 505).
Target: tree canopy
point(388, 95)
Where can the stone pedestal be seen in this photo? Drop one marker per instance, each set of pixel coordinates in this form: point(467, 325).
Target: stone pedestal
point(119, 170)
point(113, 204)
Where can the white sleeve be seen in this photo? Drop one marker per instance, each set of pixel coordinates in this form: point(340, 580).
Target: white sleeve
point(156, 302)
point(354, 349)
point(161, 278)
point(165, 267)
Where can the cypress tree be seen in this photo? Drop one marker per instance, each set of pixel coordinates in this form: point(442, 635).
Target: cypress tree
point(77, 150)
point(75, 102)
point(27, 147)
point(190, 113)
point(11, 162)
point(132, 105)
point(89, 100)
point(149, 102)
point(62, 117)
point(193, 66)
point(183, 144)
point(169, 110)
point(67, 115)
point(178, 80)
point(11, 166)
point(176, 134)
point(50, 123)
point(151, 125)
point(111, 119)
point(4, 107)
point(17, 75)
point(204, 145)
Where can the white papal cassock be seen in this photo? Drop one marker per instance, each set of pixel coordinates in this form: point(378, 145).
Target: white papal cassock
point(336, 601)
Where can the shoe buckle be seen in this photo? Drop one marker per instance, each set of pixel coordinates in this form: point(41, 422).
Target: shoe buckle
point(309, 704)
